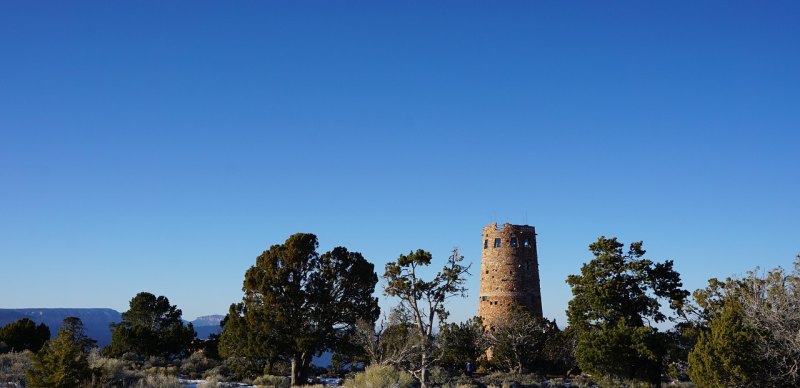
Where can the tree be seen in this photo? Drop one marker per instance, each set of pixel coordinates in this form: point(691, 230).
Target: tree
point(74, 325)
point(616, 303)
point(561, 353)
point(521, 343)
point(298, 303)
point(460, 343)
point(151, 327)
point(724, 355)
point(23, 334)
point(394, 342)
point(425, 300)
point(772, 308)
point(250, 342)
point(749, 330)
point(63, 362)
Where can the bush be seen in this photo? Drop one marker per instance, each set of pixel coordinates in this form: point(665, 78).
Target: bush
point(13, 367)
point(108, 371)
point(273, 381)
point(243, 368)
point(196, 364)
point(158, 381)
point(381, 376)
point(462, 382)
point(439, 376)
point(211, 381)
point(510, 380)
point(220, 373)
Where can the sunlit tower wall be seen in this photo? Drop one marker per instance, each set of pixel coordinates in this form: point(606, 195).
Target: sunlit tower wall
point(509, 273)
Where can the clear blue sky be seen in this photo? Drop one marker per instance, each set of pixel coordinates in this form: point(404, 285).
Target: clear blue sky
point(162, 146)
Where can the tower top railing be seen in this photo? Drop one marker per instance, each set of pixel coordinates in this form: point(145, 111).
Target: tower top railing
point(503, 227)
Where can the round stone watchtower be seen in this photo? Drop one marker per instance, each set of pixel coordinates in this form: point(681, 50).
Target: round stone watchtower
point(509, 273)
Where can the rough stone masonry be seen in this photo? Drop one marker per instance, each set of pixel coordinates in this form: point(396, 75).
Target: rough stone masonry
point(509, 273)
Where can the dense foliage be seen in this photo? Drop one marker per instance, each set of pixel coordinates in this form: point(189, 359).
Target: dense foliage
point(23, 334)
point(524, 342)
point(151, 327)
point(749, 331)
point(297, 304)
point(617, 301)
point(62, 362)
point(461, 343)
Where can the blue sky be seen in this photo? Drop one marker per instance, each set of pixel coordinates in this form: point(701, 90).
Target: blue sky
point(161, 147)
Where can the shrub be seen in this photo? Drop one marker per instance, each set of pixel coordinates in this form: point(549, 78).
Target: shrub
point(211, 381)
point(244, 368)
point(439, 376)
point(196, 364)
point(13, 367)
point(108, 371)
point(462, 382)
point(158, 381)
point(509, 380)
point(381, 376)
point(220, 373)
point(272, 381)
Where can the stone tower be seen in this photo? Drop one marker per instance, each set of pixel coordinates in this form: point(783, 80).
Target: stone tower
point(509, 272)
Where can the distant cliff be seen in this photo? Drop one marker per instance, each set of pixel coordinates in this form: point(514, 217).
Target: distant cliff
point(207, 325)
point(95, 321)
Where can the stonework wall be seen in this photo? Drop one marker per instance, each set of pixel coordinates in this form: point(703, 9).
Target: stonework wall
point(509, 272)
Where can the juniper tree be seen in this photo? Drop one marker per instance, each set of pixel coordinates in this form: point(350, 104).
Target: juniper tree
point(617, 300)
point(298, 303)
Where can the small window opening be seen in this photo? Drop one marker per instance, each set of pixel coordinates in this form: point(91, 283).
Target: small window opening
point(514, 242)
point(497, 243)
point(526, 243)
point(485, 244)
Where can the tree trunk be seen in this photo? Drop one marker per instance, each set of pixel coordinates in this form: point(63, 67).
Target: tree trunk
point(300, 364)
point(296, 367)
point(423, 373)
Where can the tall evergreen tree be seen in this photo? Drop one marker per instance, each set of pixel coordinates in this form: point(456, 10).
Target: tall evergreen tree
point(724, 355)
point(62, 362)
point(151, 327)
point(298, 303)
point(616, 304)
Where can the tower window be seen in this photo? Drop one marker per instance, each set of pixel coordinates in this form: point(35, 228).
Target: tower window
point(514, 242)
point(497, 243)
point(485, 244)
point(526, 243)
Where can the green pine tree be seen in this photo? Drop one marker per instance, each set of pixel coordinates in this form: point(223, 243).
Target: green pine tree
point(62, 362)
point(724, 355)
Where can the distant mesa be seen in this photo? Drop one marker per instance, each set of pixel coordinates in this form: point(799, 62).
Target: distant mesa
point(208, 320)
point(207, 325)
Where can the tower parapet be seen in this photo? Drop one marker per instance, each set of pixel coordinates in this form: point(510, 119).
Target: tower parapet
point(509, 272)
